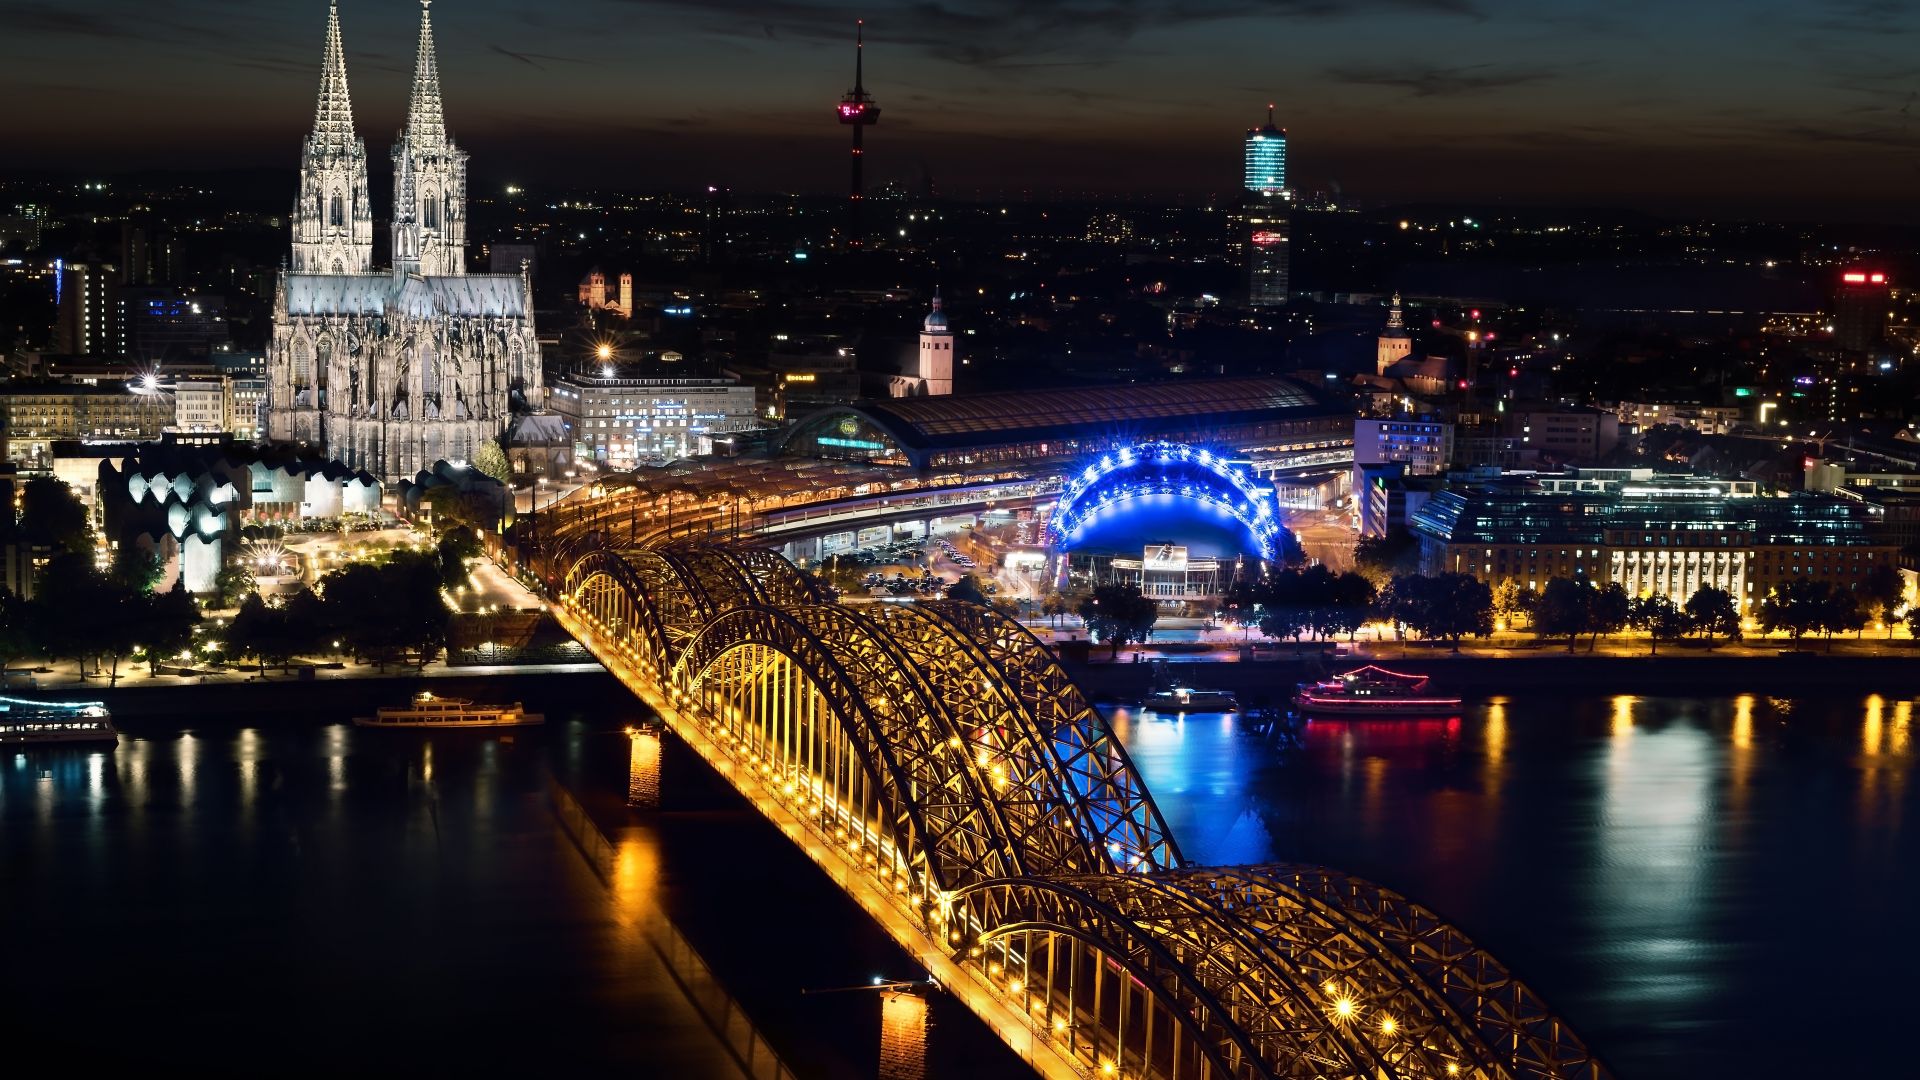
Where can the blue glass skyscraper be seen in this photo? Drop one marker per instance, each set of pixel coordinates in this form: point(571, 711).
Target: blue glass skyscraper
point(1265, 220)
point(1266, 158)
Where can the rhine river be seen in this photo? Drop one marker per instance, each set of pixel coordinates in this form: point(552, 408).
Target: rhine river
point(1704, 887)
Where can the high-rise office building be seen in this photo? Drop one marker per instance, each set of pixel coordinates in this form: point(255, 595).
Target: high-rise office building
point(1265, 216)
point(1860, 310)
point(84, 299)
point(1266, 158)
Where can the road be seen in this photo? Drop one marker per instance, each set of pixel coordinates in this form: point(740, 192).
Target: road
point(1326, 535)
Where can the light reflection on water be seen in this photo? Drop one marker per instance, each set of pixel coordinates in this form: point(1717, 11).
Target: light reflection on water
point(310, 885)
point(1683, 878)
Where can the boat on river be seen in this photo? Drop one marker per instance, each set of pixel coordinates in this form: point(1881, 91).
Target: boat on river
point(1373, 691)
point(1170, 694)
point(429, 710)
point(1191, 699)
point(25, 722)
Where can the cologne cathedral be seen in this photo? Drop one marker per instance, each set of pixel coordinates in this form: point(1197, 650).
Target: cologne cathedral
point(392, 370)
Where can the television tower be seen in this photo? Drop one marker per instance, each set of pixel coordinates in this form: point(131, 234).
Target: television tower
point(857, 110)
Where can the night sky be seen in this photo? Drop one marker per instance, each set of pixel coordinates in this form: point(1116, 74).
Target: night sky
point(1746, 106)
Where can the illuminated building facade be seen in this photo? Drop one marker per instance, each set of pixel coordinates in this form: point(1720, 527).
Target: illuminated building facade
point(186, 500)
point(933, 371)
point(1425, 446)
point(625, 422)
point(1394, 344)
point(1860, 309)
point(390, 371)
point(594, 294)
point(1266, 158)
point(85, 309)
point(1266, 219)
point(1661, 535)
point(32, 417)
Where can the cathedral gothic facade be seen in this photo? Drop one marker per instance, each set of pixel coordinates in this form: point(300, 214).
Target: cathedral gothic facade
point(392, 370)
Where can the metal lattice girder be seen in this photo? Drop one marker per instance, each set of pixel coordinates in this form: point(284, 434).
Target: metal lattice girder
point(615, 592)
point(1321, 974)
point(1184, 978)
point(1522, 1037)
point(992, 745)
point(899, 731)
point(1115, 806)
point(971, 760)
point(781, 583)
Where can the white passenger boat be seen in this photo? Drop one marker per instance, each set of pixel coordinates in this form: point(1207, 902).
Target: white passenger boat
point(24, 722)
point(429, 710)
point(1191, 699)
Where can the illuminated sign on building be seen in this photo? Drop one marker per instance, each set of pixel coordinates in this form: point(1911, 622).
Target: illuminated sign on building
point(1265, 237)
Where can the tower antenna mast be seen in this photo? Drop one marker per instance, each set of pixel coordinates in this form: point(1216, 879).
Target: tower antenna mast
point(857, 110)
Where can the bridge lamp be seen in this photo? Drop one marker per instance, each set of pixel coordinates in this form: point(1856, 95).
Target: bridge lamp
point(1343, 1007)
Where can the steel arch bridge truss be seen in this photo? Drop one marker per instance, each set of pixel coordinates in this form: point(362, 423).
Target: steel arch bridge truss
point(959, 780)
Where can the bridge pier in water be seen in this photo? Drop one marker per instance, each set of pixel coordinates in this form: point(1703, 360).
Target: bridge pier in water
point(935, 761)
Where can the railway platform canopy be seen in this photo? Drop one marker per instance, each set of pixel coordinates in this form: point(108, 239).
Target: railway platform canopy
point(1245, 415)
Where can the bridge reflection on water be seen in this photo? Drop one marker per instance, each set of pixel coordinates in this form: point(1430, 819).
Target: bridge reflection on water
point(939, 765)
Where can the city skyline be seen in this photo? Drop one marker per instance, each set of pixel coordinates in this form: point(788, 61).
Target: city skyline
point(1775, 112)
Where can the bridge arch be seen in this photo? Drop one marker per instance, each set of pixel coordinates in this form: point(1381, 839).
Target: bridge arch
point(1193, 473)
point(937, 760)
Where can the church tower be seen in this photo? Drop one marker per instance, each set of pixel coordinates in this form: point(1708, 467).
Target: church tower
point(332, 217)
point(1395, 343)
point(429, 176)
point(936, 353)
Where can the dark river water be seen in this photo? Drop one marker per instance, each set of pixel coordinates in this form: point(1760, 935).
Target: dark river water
point(1704, 887)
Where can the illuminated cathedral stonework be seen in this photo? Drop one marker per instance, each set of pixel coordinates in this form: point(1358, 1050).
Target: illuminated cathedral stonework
point(392, 370)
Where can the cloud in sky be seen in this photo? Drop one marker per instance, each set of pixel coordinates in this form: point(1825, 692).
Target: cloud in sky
point(1427, 80)
point(1144, 94)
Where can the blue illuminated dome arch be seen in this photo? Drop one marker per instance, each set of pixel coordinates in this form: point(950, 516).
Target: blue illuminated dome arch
point(1165, 468)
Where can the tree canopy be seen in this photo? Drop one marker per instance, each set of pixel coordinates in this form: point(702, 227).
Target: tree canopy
point(1117, 614)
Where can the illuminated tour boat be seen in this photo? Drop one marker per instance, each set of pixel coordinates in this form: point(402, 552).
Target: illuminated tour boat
point(34, 723)
point(428, 711)
point(1191, 699)
point(1373, 691)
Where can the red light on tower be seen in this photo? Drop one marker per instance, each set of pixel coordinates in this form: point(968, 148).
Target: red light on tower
point(857, 110)
point(1474, 314)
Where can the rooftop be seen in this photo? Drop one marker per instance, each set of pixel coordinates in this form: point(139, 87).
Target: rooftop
point(964, 419)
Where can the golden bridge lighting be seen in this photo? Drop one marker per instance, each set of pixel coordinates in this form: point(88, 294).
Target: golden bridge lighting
point(725, 645)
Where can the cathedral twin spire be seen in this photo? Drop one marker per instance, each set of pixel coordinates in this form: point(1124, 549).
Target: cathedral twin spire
point(333, 117)
point(332, 219)
point(426, 120)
